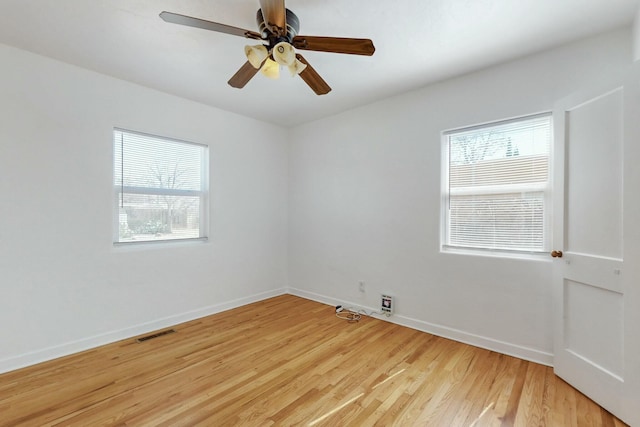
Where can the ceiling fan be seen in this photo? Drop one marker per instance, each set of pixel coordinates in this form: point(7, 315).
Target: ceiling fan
point(278, 27)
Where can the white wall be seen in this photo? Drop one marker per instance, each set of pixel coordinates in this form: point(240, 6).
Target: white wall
point(64, 287)
point(365, 203)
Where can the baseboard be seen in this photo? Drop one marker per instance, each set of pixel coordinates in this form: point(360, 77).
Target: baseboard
point(50, 353)
point(510, 349)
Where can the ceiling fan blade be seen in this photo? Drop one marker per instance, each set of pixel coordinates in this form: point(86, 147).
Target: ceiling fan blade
point(189, 21)
point(243, 75)
point(312, 78)
point(335, 44)
point(275, 16)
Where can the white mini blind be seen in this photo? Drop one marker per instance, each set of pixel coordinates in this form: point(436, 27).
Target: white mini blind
point(161, 188)
point(498, 184)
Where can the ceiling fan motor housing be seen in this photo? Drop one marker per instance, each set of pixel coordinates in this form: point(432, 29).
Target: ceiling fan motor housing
point(293, 27)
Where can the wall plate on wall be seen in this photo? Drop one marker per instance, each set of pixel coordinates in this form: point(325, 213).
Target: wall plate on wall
point(386, 304)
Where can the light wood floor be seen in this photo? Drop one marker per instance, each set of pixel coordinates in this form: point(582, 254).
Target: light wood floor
point(289, 361)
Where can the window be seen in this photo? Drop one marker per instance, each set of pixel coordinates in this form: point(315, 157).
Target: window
point(496, 185)
point(161, 188)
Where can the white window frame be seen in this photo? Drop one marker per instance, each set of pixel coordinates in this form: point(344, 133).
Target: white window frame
point(545, 188)
point(202, 194)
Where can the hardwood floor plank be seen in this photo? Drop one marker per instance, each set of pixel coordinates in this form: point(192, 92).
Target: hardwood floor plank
point(289, 361)
point(530, 406)
point(515, 394)
point(481, 403)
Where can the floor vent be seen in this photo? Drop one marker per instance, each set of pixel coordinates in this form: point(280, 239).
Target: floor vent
point(156, 335)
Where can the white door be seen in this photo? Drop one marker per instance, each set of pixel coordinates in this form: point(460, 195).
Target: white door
point(595, 290)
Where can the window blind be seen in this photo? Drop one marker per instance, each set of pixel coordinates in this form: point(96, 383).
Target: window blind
point(161, 187)
point(498, 180)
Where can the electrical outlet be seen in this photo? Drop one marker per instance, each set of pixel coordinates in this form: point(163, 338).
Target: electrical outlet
point(361, 286)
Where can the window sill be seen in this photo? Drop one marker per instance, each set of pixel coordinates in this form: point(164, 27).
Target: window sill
point(495, 253)
point(146, 244)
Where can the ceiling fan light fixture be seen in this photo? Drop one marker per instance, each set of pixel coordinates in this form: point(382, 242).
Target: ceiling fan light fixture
point(271, 69)
point(284, 54)
point(256, 55)
point(296, 68)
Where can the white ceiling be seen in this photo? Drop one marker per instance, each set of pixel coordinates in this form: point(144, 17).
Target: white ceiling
point(417, 42)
